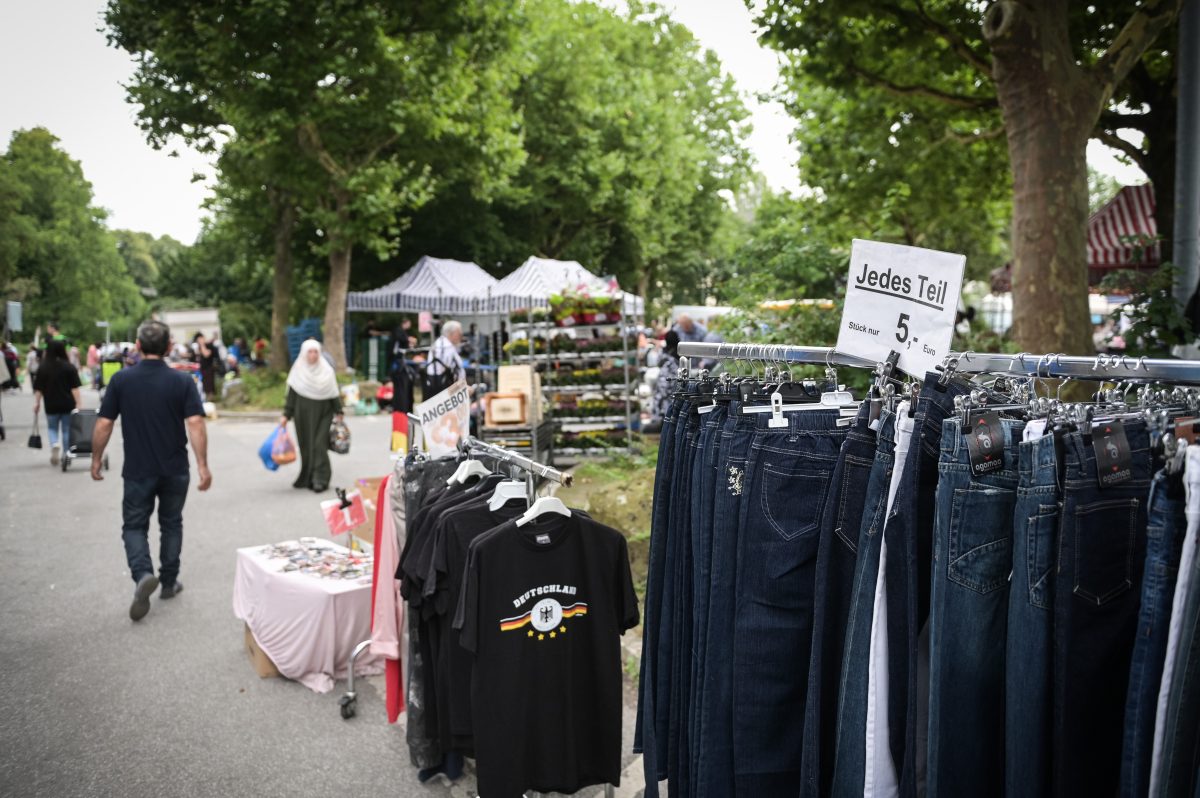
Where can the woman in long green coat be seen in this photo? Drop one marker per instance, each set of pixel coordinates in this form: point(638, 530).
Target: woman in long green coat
point(313, 402)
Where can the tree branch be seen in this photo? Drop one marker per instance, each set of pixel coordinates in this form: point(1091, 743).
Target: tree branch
point(1111, 139)
point(1126, 50)
point(310, 141)
point(957, 43)
point(958, 100)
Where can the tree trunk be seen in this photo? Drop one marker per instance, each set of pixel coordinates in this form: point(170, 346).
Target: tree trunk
point(281, 291)
point(1049, 110)
point(335, 304)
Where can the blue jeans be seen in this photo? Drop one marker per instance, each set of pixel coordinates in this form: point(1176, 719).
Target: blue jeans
point(909, 534)
point(59, 424)
point(1182, 725)
point(704, 500)
point(1101, 556)
point(788, 476)
point(1028, 668)
point(1165, 529)
point(714, 746)
point(136, 507)
point(968, 616)
point(837, 556)
point(645, 738)
point(850, 754)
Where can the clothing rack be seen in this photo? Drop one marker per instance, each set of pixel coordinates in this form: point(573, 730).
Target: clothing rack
point(1097, 367)
point(471, 444)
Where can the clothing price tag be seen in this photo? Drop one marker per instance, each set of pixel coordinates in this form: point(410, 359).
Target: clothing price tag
point(1113, 460)
point(901, 298)
point(1035, 429)
point(985, 443)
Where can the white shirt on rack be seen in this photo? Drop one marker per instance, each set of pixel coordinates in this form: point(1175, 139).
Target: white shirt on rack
point(880, 779)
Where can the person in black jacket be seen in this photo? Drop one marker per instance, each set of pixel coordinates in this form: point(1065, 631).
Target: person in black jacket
point(57, 385)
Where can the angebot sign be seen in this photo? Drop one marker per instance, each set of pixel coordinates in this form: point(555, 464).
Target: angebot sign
point(445, 419)
point(901, 299)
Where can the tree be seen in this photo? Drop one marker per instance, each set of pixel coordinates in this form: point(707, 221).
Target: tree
point(634, 138)
point(1020, 58)
point(376, 96)
point(56, 254)
point(144, 254)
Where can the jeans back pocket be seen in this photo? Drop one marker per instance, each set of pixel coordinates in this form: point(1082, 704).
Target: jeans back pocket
point(981, 537)
point(1104, 540)
point(793, 498)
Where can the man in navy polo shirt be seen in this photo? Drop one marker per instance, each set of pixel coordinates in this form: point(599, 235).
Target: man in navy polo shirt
point(156, 405)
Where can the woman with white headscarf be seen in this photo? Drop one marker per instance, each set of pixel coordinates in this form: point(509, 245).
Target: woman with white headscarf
point(313, 401)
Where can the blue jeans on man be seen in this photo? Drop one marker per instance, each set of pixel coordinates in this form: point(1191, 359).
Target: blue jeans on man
point(170, 492)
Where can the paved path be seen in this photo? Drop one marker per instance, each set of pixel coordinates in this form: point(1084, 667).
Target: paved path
point(92, 704)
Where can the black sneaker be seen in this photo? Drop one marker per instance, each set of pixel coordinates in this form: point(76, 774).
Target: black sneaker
point(171, 591)
point(141, 596)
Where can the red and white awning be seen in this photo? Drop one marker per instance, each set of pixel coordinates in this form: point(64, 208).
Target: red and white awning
point(1121, 228)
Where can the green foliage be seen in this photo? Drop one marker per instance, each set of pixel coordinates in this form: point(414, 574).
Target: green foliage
point(145, 255)
point(1156, 321)
point(1101, 189)
point(632, 135)
point(56, 255)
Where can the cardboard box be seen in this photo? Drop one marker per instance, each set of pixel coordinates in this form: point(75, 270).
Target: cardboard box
point(369, 486)
point(523, 380)
point(263, 665)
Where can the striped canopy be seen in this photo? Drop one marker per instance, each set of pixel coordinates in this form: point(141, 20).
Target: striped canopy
point(434, 284)
point(533, 283)
point(1129, 213)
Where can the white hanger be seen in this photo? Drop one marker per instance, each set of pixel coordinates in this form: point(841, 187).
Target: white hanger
point(505, 492)
point(466, 470)
point(544, 505)
point(828, 400)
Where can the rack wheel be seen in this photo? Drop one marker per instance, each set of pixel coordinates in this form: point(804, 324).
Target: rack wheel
point(66, 462)
point(349, 706)
point(105, 462)
point(3, 435)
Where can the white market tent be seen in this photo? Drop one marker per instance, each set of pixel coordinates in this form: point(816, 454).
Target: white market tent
point(537, 279)
point(439, 285)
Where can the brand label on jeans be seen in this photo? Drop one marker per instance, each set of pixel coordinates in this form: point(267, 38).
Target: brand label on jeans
point(1114, 463)
point(985, 443)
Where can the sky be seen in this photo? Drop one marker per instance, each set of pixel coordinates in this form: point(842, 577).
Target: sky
point(63, 76)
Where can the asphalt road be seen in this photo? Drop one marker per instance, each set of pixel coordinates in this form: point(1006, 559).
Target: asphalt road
point(92, 704)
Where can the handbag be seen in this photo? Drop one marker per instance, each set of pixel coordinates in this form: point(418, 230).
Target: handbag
point(282, 449)
point(35, 440)
point(339, 437)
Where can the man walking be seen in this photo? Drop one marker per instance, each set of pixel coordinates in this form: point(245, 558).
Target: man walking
point(155, 404)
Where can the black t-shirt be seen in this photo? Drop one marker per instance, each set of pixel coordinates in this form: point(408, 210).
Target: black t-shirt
point(153, 401)
point(55, 382)
point(544, 606)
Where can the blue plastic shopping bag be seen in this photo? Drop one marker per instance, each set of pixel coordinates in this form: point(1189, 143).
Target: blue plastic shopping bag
point(264, 451)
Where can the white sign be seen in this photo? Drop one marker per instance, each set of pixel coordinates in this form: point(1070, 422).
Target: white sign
point(901, 299)
point(445, 419)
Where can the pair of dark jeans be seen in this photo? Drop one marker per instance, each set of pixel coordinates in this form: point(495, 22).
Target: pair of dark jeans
point(704, 495)
point(646, 737)
point(788, 475)
point(837, 556)
point(968, 616)
point(1028, 660)
point(714, 746)
point(909, 533)
point(136, 507)
point(850, 753)
point(1165, 529)
point(1101, 556)
point(1181, 741)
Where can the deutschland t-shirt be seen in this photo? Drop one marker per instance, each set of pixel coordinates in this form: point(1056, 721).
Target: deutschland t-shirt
point(543, 609)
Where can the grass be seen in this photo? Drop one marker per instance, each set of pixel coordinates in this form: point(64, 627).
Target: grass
point(265, 389)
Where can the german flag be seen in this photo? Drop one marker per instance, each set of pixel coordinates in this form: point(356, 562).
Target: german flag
point(511, 624)
point(575, 609)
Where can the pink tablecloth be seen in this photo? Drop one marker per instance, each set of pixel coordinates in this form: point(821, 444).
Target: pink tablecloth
point(307, 625)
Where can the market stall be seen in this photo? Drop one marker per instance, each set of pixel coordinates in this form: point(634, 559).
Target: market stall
point(307, 604)
point(438, 285)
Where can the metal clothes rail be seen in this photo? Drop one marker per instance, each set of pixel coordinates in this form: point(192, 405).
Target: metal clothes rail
point(471, 444)
point(1095, 367)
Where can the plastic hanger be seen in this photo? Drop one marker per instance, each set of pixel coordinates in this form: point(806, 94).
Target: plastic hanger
point(830, 400)
point(505, 492)
point(543, 506)
point(466, 470)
